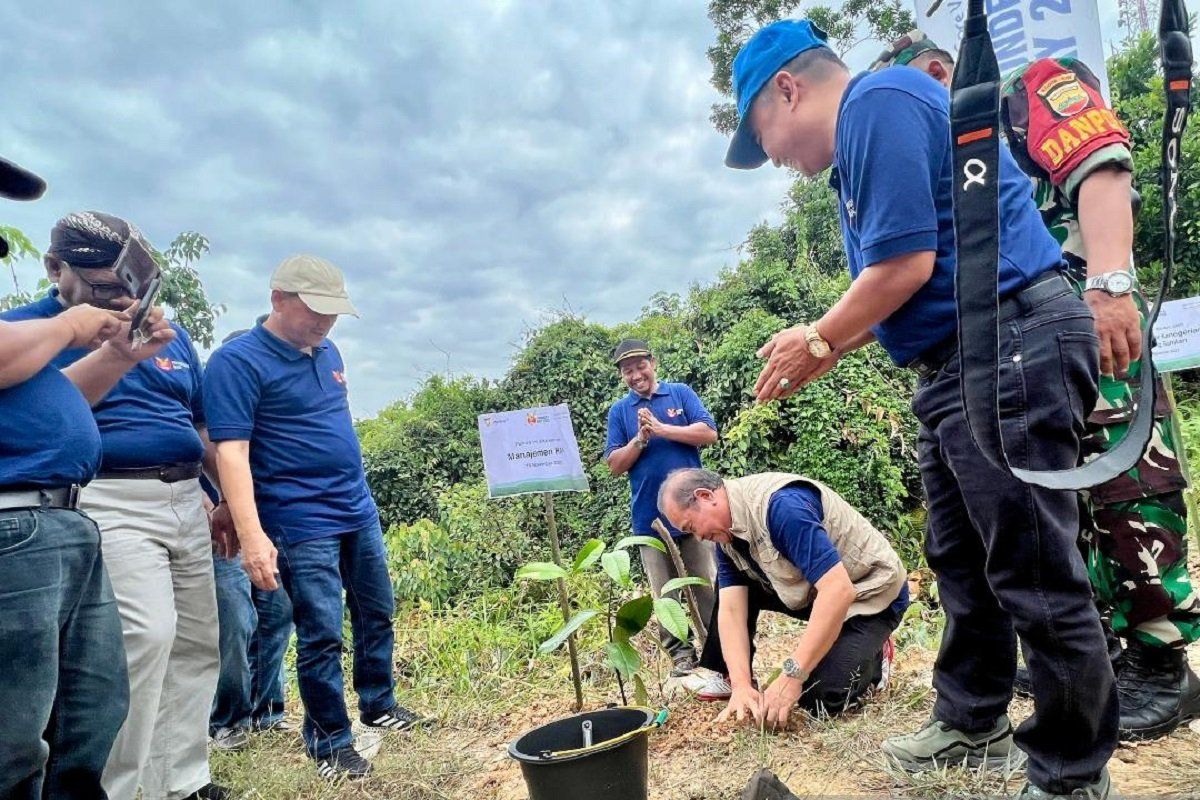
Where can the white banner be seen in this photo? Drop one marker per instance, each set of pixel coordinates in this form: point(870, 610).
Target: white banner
point(1177, 335)
point(531, 450)
point(1026, 30)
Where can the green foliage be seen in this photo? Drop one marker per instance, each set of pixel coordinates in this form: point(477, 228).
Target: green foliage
point(622, 624)
point(475, 544)
point(848, 24)
point(182, 291)
point(1138, 99)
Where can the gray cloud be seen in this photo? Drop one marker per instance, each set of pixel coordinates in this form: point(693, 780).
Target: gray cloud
point(470, 165)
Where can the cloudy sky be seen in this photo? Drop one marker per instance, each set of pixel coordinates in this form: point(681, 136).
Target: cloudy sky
point(472, 166)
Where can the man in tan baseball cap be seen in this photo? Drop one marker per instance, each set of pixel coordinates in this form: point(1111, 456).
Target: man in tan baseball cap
point(318, 283)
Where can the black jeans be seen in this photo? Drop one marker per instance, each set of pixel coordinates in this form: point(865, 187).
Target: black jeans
point(848, 670)
point(1005, 552)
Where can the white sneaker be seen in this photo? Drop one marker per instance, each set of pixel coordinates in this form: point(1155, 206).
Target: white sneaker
point(715, 688)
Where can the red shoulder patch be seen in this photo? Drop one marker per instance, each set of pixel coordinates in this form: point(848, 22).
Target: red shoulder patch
point(1070, 119)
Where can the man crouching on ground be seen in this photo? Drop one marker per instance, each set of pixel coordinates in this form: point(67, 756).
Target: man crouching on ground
point(791, 544)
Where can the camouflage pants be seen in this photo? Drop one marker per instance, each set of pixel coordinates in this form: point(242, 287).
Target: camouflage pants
point(1135, 544)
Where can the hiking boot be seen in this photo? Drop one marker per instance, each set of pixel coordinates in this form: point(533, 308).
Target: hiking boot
point(683, 663)
point(1099, 789)
point(397, 718)
point(343, 763)
point(715, 688)
point(230, 739)
point(938, 745)
point(211, 791)
point(1157, 692)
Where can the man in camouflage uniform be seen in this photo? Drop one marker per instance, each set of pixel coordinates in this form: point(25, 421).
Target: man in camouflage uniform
point(1134, 538)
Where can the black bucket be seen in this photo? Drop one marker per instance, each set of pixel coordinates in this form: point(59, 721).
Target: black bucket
point(557, 766)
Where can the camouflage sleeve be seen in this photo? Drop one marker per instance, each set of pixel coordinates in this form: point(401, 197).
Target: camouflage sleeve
point(1069, 130)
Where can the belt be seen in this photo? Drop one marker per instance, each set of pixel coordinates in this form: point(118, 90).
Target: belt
point(62, 497)
point(168, 473)
point(1050, 285)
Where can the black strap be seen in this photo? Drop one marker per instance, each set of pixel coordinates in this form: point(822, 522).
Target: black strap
point(975, 132)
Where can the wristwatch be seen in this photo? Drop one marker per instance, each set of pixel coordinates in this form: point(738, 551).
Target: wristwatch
point(1117, 283)
point(794, 670)
point(817, 346)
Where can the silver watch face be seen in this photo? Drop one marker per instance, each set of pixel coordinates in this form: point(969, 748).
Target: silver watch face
point(1119, 283)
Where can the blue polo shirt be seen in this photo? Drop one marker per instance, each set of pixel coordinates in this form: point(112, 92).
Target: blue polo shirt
point(294, 410)
point(795, 517)
point(674, 404)
point(48, 438)
point(892, 171)
point(149, 418)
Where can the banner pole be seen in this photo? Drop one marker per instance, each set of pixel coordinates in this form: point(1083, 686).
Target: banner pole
point(556, 553)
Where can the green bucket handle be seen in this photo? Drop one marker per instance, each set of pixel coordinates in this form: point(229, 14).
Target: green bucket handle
point(659, 720)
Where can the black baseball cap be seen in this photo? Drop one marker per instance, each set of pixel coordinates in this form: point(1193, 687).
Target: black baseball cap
point(17, 183)
point(631, 348)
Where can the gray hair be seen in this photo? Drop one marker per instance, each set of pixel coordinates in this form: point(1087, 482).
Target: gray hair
point(681, 485)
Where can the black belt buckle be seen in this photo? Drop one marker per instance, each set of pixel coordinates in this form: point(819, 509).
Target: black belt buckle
point(174, 473)
point(73, 495)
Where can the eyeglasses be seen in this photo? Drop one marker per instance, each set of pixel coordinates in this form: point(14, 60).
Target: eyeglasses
point(100, 291)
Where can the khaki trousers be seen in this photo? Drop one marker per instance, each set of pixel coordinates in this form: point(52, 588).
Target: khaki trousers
point(700, 560)
point(155, 543)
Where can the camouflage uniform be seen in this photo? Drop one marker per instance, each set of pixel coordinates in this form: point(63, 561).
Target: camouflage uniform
point(1134, 536)
point(1136, 544)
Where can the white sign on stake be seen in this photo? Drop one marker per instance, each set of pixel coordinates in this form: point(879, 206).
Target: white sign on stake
point(1025, 30)
point(531, 450)
point(1177, 335)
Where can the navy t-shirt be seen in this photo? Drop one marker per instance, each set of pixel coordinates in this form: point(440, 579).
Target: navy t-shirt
point(674, 404)
point(149, 418)
point(48, 438)
point(294, 410)
point(794, 518)
point(893, 174)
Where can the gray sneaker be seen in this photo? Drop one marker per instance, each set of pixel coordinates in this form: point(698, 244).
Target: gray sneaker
point(938, 745)
point(230, 739)
point(1097, 790)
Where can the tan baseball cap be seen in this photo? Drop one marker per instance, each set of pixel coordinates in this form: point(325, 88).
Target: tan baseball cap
point(319, 283)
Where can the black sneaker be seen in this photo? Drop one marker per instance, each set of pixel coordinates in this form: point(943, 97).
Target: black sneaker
point(397, 718)
point(343, 763)
point(211, 792)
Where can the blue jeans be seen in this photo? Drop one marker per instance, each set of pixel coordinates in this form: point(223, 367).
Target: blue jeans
point(315, 573)
point(255, 629)
point(65, 691)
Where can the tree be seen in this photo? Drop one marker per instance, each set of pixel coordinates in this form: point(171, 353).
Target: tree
point(182, 289)
point(851, 24)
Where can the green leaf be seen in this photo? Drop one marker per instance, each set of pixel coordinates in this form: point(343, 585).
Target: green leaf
point(616, 564)
point(540, 571)
point(647, 541)
point(679, 583)
point(632, 617)
point(560, 636)
point(623, 658)
point(588, 554)
point(640, 696)
point(672, 617)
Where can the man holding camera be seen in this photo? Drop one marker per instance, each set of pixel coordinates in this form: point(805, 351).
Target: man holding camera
point(147, 501)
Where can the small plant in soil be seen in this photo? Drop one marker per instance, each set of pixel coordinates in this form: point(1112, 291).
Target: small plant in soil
point(625, 621)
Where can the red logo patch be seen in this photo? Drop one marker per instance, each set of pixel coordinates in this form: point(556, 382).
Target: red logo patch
point(163, 363)
point(340, 377)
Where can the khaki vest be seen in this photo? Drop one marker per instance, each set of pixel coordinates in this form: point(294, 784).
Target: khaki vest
point(874, 568)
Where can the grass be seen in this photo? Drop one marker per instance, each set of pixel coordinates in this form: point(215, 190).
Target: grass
point(475, 668)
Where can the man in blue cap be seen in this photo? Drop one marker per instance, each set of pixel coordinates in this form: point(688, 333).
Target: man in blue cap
point(1003, 551)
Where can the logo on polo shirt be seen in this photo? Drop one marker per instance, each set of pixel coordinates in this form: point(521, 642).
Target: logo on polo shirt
point(169, 365)
point(340, 376)
point(674, 412)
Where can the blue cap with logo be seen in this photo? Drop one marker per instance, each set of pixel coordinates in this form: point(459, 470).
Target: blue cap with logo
point(757, 61)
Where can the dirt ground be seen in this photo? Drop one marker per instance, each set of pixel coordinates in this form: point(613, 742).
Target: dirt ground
point(693, 759)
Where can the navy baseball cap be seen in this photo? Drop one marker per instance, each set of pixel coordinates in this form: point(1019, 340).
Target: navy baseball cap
point(755, 64)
